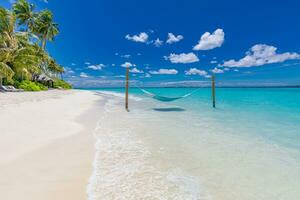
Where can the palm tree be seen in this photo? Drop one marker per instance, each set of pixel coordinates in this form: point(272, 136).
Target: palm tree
point(24, 13)
point(7, 29)
point(45, 27)
point(21, 56)
point(18, 57)
point(8, 43)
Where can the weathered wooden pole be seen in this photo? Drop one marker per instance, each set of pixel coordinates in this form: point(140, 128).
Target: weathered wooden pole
point(126, 88)
point(213, 88)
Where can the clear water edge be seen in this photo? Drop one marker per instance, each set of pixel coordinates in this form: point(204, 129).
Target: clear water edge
point(247, 148)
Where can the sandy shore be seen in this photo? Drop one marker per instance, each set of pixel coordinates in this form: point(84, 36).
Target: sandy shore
point(46, 145)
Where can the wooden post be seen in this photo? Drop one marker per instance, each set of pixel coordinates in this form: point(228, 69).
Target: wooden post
point(213, 87)
point(127, 85)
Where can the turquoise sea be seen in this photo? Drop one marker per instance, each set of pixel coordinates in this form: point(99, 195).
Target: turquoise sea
point(248, 147)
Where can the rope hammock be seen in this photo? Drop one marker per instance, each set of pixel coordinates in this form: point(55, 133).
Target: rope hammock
point(166, 99)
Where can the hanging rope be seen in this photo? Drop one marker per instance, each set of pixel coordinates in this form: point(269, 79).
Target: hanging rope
point(166, 99)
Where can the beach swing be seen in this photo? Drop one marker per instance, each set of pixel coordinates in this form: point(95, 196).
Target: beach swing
point(166, 99)
point(163, 98)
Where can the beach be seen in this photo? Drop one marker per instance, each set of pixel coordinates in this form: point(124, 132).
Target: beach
point(47, 146)
point(83, 144)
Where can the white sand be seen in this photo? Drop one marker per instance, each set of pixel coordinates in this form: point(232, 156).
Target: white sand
point(46, 144)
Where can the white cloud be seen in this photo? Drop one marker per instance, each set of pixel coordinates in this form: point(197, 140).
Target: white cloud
point(259, 55)
point(142, 37)
point(83, 75)
point(96, 67)
point(87, 63)
point(217, 71)
point(182, 58)
point(120, 76)
point(147, 75)
point(186, 83)
point(195, 71)
point(236, 70)
point(173, 39)
point(73, 64)
point(113, 65)
point(127, 64)
point(125, 56)
point(158, 42)
point(226, 69)
point(165, 71)
point(136, 70)
point(210, 41)
point(213, 62)
point(68, 70)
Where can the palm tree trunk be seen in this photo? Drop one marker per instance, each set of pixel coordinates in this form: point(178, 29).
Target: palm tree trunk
point(44, 43)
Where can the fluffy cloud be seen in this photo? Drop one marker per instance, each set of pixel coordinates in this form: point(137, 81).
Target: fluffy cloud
point(142, 37)
point(87, 63)
point(125, 56)
point(217, 71)
point(147, 75)
point(127, 64)
point(259, 55)
point(68, 71)
point(195, 71)
point(96, 67)
point(158, 42)
point(83, 75)
point(182, 58)
point(173, 39)
point(210, 41)
point(164, 71)
point(213, 62)
point(136, 70)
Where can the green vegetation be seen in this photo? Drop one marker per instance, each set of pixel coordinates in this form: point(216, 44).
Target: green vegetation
point(31, 86)
point(60, 84)
point(23, 56)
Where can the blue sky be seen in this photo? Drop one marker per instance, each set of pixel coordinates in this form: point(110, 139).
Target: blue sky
point(169, 43)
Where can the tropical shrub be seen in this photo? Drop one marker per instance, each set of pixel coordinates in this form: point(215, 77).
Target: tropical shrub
point(62, 84)
point(31, 86)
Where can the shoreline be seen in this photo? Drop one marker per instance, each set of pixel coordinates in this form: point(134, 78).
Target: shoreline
point(57, 167)
point(114, 154)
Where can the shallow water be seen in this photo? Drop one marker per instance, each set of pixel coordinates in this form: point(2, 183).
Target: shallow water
point(246, 148)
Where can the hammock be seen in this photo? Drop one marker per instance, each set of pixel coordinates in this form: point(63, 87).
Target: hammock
point(166, 99)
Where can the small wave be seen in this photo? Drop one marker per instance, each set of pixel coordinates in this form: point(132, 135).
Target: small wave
point(122, 170)
point(120, 95)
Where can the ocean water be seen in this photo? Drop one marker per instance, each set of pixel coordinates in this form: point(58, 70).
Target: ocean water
point(248, 147)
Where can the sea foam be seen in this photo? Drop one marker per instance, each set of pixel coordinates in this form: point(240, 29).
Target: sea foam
point(123, 168)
